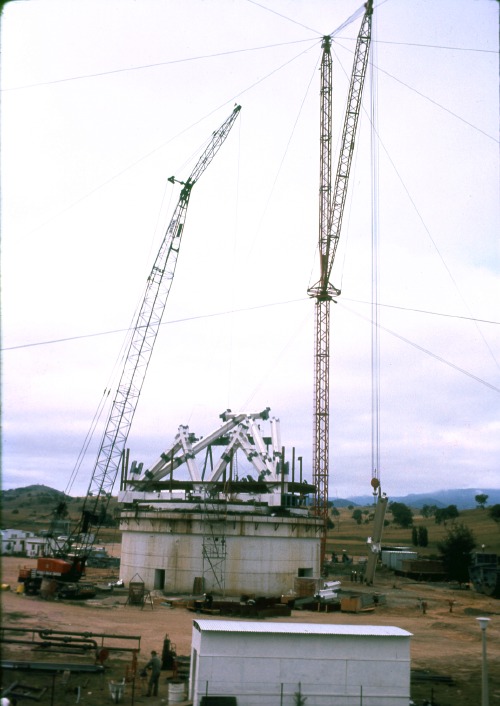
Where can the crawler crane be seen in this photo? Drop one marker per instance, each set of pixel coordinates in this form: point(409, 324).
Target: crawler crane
point(67, 559)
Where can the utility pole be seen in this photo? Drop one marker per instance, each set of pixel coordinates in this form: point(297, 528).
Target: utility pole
point(485, 699)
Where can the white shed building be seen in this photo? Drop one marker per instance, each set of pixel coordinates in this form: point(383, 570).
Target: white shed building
point(35, 546)
point(264, 664)
point(393, 559)
point(14, 540)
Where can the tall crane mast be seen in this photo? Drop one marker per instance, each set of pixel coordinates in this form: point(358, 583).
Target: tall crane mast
point(331, 209)
point(140, 348)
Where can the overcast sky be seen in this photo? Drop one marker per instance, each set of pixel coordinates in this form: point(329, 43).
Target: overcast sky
point(103, 101)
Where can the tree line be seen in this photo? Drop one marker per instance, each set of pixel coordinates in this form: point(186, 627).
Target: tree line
point(456, 548)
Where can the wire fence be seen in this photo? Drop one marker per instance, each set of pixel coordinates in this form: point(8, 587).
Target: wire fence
point(231, 693)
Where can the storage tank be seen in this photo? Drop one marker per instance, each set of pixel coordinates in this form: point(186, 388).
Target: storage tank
point(230, 525)
point(240, 552)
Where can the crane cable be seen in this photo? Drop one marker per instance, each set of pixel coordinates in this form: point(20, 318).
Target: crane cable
point(102, 406)
point(120, 360)
point(375, 340)
point(82, 454)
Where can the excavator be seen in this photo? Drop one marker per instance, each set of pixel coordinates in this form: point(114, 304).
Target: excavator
point(63, 567)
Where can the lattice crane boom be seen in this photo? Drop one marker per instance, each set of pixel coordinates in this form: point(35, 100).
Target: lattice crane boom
point(331, 209)
point(348, 138)
point(140, 347)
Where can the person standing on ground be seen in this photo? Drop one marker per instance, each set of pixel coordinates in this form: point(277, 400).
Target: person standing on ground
point(155, 665)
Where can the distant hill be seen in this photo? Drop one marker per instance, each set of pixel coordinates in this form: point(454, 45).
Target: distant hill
point(34, 492)
point(463, 498)
point(42, 498)
point(32, 507)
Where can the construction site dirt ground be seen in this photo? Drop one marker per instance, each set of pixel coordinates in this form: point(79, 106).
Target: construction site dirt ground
point(446, 647)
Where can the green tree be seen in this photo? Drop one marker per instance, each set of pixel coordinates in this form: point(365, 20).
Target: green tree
point(456, 552)
point(423, 537)
point(494, 512)
point(428, 510)
point(442, 515)
point(481, 499)
point(357, 515)
point(414, 536)
point(298, 698)
point(402, 514)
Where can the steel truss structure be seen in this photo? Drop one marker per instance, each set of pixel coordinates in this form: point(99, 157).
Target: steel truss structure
point(331, 208)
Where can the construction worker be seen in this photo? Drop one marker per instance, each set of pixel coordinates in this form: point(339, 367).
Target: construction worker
point(154, 665)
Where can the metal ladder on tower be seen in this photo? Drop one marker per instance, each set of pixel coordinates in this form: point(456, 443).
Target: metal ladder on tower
point(214, 549)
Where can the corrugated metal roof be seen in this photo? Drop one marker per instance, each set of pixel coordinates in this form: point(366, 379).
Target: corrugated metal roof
point(243, 626)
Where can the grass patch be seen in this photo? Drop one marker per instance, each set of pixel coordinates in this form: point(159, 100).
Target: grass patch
point(348, 535)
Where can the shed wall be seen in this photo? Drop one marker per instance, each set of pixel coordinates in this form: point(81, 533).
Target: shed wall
point(261, 670)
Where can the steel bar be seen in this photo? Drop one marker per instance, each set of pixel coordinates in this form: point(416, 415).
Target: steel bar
point(51, 667)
